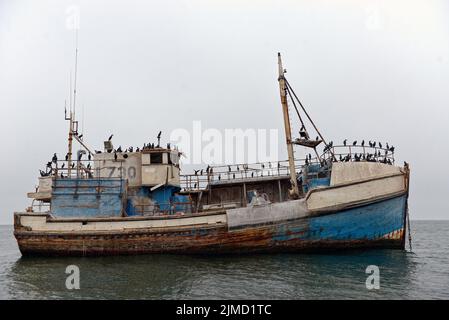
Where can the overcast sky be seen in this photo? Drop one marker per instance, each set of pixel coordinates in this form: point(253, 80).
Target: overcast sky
point(374, 70)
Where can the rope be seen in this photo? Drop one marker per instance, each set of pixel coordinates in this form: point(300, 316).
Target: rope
point(409, 231)
point(294, 104)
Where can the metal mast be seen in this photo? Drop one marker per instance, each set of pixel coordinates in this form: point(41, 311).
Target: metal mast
point(294, 192)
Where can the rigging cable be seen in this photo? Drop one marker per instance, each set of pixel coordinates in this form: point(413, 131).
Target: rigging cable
point(289, 87)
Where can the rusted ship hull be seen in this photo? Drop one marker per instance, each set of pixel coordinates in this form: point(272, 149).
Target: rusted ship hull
point(379, 224)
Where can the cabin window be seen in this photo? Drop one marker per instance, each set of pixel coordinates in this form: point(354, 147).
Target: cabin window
point(156, 158)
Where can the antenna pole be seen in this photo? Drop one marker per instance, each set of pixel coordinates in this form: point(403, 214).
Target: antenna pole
point(76, 71)
point(288, 132)
point(71, 117)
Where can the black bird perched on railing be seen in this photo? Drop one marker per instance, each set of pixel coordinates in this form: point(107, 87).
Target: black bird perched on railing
point(119, 149)
point(115, 156)
point(44, 174)
point(363, 143)
point(344, 142)
point(380, 145)
point(110, 137)
point(97, 152)
point(63, 165)
point(374, 144)
point(80, 136)
point(89, 156)
point(392, 149)
point(354, 143)
point(67, 157)
point(73, 165)
point(55, 158)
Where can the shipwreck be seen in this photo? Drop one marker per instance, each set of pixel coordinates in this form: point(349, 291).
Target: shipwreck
point(137, 201)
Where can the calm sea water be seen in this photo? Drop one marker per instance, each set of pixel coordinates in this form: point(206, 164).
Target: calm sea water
point(423, 274)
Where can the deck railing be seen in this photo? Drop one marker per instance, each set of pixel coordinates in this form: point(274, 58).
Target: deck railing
point(163, 208)
point(359, 153)
point(201, 178)
point(220, 174)
point(81, 169)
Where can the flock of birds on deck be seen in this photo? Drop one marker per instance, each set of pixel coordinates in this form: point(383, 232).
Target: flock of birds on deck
point(145, 147)
point(52, 169)
point(370, 157)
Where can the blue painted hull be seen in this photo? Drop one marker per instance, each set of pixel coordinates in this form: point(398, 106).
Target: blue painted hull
point(376, 221)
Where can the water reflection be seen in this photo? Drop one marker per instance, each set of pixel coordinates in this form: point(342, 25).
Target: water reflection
point(281, 276)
